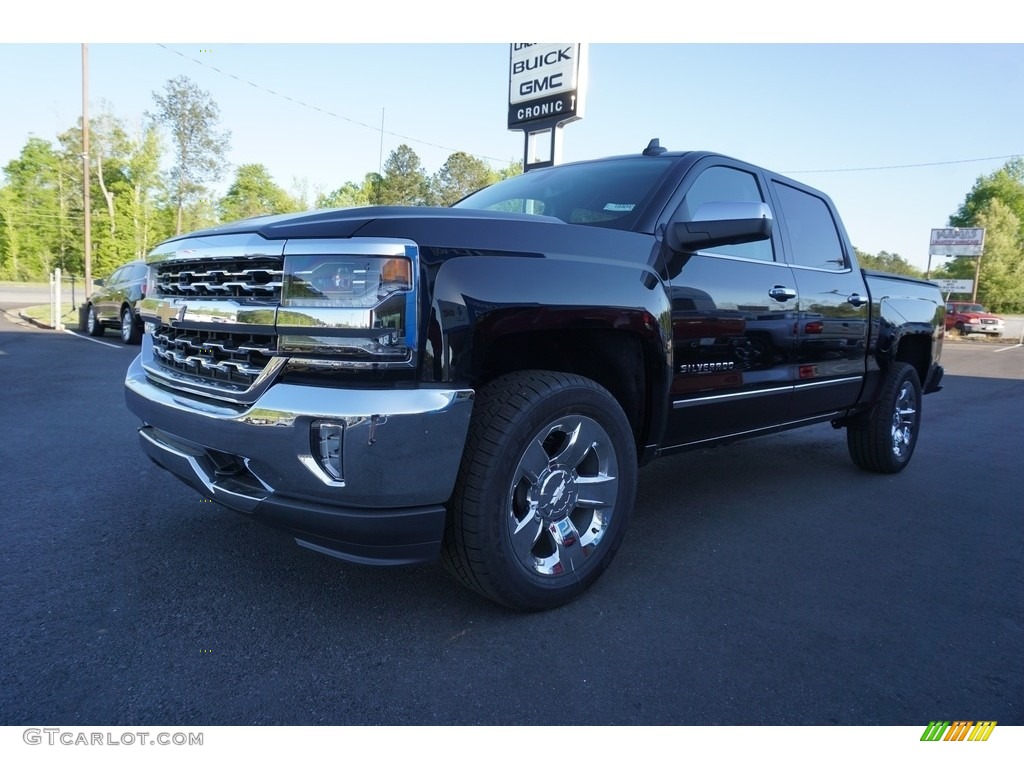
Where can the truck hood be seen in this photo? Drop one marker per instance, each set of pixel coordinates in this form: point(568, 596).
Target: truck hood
point(346, 222)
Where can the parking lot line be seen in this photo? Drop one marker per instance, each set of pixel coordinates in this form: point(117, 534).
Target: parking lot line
point(97, 341)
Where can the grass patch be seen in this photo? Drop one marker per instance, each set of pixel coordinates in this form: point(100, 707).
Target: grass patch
point(977, 338)
point(41, 314)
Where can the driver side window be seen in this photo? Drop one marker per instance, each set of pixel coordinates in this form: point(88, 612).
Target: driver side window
point(722, 184)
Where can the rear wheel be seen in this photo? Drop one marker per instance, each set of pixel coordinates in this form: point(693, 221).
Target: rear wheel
point(883, 440)
point(131, 333)
point(547, 481)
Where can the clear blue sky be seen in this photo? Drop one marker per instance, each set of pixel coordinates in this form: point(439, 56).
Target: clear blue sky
point(312, 112)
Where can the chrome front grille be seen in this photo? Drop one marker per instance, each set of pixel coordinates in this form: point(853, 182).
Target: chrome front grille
point(245, 278)
point(221, 359)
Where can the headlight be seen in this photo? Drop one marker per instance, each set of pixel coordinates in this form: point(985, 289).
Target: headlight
point(352, 302)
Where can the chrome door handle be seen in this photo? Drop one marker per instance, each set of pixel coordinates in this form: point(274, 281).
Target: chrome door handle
point(782, 293)
point(857, 300)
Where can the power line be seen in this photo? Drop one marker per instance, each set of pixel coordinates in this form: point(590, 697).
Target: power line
point(499, 160)
point(24, 214)
point(909, 165)
point(321, 109)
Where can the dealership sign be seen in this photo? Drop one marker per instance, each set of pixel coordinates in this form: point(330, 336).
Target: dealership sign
point(957, 242)
point(545, 84)
point(955, 286)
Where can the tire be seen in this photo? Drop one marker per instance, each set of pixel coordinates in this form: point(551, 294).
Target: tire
point(93, 326)
point(962, 330)
point(131, 333)
point(883, 440)
point(547, 481)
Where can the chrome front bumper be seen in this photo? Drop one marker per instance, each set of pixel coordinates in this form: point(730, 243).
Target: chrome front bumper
point(400, 451)
point(996, 329)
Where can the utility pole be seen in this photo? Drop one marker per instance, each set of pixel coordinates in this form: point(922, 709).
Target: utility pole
point(380, 155)
point(87, 204)
point(977, 277)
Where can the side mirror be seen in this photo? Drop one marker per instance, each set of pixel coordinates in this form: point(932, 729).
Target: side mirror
point(99, 282)
point(721, 223)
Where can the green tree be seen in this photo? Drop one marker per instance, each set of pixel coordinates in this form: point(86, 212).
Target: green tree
point(109, 148)
point(461, 174)
point(1006, 185)
point(373, 188)
point(348, 195)
point(995, 203)
point(254, 193)
point(884, 261)
point(10, 243)
point(514, 168)
point(191, 116)
point(31, 209)
point(1001, 278)
point(142, 174)
point(125, 185)
point(404, 181)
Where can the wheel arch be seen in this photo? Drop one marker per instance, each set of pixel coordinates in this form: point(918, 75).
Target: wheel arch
point(609, 321)
point(916, 349)
point(623, 362)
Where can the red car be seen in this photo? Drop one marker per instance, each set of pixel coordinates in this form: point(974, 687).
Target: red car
point(967, 318)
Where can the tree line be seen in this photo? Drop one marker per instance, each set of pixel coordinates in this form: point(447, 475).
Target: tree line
point(996, 204)
point(135, 204)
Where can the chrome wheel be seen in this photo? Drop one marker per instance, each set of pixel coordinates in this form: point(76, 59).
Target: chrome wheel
point(562, 496)
point(883, 439)
point(131, 330)
point(904, 420)
point(545, 488)
point(127, 324)
point(92, 323)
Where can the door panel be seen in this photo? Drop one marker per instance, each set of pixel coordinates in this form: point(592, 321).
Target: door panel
point(733, 318)
point(832, 328)
point(831, 345)
point(733, 348)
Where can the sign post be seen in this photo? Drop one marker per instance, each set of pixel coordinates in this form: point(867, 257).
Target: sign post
point(954, 286)
point(546, 91)
point(953, 241)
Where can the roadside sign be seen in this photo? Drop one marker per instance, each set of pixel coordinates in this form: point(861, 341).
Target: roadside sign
point(955, 286)
point(545, 83)
point(546, 88)
point(954, 241)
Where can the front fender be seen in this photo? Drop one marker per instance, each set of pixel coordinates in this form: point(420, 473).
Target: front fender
point(477, 301)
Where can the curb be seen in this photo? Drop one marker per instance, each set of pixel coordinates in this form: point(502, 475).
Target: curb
point(18, 317)
point(32, 321)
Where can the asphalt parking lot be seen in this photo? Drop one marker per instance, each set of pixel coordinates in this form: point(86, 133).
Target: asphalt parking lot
point(769, 582)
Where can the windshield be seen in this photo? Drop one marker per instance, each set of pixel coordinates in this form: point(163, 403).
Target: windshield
point(606, 193)
point(972, 308)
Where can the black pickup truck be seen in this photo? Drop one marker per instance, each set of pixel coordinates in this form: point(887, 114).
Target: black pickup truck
point(481, 383)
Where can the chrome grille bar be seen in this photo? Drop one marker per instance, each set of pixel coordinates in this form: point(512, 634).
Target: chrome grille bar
point(236, 278)
point(220, 357)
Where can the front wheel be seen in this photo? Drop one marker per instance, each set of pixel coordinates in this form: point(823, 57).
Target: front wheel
point(883, 440)
point(547, 482)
